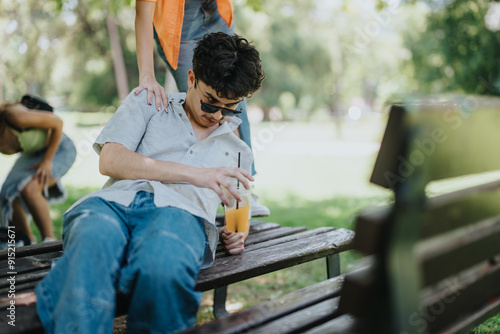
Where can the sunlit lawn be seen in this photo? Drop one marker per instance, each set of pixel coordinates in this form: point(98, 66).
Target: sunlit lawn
point(310, 174)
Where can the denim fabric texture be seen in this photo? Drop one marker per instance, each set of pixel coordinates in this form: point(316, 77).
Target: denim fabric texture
point(150, 254)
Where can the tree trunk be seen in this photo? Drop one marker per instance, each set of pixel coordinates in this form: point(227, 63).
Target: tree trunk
point(267, 112)
point(2, 75)
point(118, 61)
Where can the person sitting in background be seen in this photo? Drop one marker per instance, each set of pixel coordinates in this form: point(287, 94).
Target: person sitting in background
point(151, 229)
point(45, 155)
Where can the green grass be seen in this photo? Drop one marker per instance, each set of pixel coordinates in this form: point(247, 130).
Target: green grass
point(492, 325)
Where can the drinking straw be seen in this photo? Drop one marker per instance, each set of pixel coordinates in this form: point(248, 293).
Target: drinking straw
point(238, 181)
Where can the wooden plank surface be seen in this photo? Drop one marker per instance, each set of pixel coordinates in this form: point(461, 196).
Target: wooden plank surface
point(29, 263)
point(464, 296)
point(371, 227)
point(454, 252)
point(244, 321)
point(41, 248)
point(261, 237)
point(460, 208)
point(26, 321)
point(25, 278)
point(261, 261)
point(288, 238)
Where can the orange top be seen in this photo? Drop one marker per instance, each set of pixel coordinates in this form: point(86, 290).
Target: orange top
point(168, 18)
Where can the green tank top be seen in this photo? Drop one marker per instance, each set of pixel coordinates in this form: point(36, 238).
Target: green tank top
point(32, 140)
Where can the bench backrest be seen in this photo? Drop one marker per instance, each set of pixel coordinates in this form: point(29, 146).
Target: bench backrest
point(432, 258)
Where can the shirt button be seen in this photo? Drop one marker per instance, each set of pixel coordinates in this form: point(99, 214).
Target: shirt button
point(227, 153)
point(191, 152)
point(191, 133)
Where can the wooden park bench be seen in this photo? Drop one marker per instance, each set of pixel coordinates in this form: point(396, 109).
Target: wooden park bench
point(268, 248)
point(431, 260)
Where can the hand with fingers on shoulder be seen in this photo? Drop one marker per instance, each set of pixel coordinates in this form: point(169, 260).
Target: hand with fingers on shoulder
point(155, 90)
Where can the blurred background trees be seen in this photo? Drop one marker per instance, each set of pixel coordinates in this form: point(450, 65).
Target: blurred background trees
point(323, 58)
point(459, 50)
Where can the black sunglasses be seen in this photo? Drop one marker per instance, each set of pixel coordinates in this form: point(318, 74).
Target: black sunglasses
point(208, 108)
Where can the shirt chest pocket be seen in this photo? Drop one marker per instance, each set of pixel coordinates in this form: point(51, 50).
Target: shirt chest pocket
point(219, 156)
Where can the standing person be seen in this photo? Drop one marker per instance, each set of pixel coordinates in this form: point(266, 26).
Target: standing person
point(45, 155)
point(151, 229)
point(176, 26)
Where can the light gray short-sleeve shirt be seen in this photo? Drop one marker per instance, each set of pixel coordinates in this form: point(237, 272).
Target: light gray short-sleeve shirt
point(169, 136)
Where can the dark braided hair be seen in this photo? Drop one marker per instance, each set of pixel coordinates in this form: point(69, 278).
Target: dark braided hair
point(229, 64)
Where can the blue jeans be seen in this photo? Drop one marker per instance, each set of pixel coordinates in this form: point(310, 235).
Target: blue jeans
point(151, 255)
point(202, 18)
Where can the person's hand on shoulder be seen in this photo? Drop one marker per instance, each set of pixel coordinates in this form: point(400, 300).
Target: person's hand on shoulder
point(154, 89)
point(144, 13)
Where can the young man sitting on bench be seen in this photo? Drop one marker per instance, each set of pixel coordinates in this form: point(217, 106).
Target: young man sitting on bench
point(150, 230)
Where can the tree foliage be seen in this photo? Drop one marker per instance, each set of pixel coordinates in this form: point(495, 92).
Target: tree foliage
point(457, 52)
point(318, 55)
point(30, 35)
point(295, 60)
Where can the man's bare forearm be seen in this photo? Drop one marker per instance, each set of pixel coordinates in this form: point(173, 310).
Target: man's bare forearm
point(121, 163)
point(144, 37)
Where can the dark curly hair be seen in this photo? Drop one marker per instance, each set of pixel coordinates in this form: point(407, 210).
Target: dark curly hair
point(229, 64)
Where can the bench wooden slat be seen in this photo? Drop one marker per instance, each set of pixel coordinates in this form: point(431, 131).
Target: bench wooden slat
point(386, 165)
point(298, 322)
point(21, 287)
point(232, 269)
point(258, 225)
point(462, 296)
point(472, 245)
point(45, 247)
point(289, 238)
point(372, 230)
point(27, 321)
point(288, 235)
point(460, 208)
point(342, 325)
point(26, 278)
point(262, 236)
point(243, 321)
point(479, 316)
point(29, 263)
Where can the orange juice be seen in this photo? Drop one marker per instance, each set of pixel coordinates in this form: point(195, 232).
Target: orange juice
point(237, 219)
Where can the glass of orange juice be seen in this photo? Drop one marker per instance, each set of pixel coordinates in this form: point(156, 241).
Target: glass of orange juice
point(237, 214)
